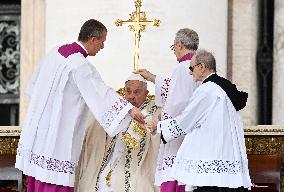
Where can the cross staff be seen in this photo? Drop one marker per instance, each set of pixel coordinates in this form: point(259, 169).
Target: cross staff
point(137, 23)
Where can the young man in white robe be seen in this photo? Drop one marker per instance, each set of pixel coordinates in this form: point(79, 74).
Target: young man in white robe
point(212, 156)
point(63, 89)
point(108, 163)
point(173, 93)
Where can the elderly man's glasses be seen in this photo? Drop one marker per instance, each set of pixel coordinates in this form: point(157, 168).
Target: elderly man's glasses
point(191, 68)
point(173, 47)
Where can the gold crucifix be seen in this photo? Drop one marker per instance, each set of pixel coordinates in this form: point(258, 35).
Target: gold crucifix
point(137, 23)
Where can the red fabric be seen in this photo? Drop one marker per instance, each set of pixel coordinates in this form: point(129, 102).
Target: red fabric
point(69, 49)
point(34, 185)
point(172, 186)
point(186, 57)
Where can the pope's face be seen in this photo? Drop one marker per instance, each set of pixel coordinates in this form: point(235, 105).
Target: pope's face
point(97, 44)
point(135, 92)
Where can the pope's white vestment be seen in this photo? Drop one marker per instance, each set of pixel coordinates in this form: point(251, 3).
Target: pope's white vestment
point(131, 169)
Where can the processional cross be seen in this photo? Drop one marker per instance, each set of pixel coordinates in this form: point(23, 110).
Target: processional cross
point(137, 23)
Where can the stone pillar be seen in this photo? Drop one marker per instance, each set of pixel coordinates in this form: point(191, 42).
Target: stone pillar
point(278, 64)
point(32, 44)
point(242, 45)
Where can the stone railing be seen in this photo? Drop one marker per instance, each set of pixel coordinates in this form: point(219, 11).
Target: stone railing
point(268, 140)
point(9, 137)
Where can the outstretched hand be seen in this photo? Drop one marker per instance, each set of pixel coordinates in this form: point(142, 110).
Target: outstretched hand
point(146, 74)
point(153, 125)
point(136, 114)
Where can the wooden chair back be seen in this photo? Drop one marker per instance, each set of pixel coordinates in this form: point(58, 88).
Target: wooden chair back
point(265, 169)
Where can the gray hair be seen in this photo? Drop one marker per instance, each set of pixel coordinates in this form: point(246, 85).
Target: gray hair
point(203, 56)
point(91, 28)
point(188, 37)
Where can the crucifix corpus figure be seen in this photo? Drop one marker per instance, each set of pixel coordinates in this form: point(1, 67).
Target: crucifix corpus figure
point(137, 23)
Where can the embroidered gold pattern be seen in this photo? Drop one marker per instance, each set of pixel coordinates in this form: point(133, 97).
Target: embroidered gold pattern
point(130, 141)
point(108, 178)
point(138, 128)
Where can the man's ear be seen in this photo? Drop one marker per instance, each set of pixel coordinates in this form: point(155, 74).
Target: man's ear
point(179, 45)
point(203, 67)
point(93, 39)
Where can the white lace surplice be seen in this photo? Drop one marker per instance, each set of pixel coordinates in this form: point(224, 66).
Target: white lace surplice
point(173, 95)
point(213, 151)
point(61, 93)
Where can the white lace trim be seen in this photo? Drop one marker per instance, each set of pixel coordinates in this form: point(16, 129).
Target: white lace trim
point(112, 113)
point(167, 162)
point(165, 89)
point(210, 166)
point(174, 129)
point(45, 162)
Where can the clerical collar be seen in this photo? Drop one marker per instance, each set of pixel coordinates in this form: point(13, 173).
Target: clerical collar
point(81, 45)
point(186, 57)
point(69, 49)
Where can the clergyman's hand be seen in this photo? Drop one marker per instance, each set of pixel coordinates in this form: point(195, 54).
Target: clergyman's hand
point(153, 126)
point(136, 114)
point(146, 74)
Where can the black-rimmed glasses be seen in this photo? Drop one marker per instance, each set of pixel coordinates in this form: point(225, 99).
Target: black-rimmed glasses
point(191, 68)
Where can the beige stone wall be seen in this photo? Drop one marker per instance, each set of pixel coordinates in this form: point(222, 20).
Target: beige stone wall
point(242, 44)
point(242, 39)
point(32, 44)
point(115, 61)
point(45, 24)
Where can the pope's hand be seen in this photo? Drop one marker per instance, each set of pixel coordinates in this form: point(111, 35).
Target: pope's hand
point(136, 114)
point(146, 74)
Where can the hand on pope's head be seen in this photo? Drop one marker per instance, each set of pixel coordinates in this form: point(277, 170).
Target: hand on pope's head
point(146, 74)
point(136, 114)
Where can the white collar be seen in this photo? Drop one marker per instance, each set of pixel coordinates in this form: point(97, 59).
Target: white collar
point(207, 76)
point(79, 43)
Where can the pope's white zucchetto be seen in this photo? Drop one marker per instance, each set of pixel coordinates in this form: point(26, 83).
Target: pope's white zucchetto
point(137, 77)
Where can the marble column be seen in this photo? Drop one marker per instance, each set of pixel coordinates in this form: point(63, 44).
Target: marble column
point(242, 45)
point(278, 64)
point(32, 44)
